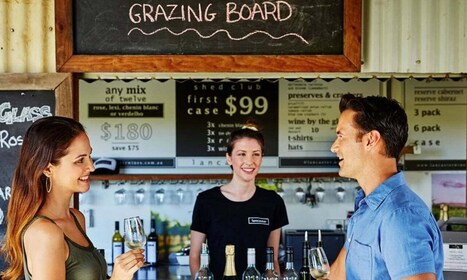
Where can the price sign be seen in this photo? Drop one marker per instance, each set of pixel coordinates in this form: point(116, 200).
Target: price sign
point(246, 105)
point(128, 120)
point(308, 119)
point(131, 131)
point(437, 124)
point(214, 109)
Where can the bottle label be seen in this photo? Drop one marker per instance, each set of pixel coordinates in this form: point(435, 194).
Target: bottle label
point(117, 250)
point(151, 251)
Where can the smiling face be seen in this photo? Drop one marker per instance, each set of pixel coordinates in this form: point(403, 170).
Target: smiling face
point(71, 174)
point(349, 146)
point(245, 159)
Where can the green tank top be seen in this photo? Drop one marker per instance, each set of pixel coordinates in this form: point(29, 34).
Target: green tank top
point(83, 263)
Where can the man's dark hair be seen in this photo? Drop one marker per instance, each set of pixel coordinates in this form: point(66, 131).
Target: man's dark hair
point(381, 114)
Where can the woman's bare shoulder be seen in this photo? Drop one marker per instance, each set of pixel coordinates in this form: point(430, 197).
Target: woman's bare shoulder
point(43, 230)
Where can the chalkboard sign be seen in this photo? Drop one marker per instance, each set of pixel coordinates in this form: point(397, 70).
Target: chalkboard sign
point(23, 100)
point(181, 126)
point(206, 27)
point(215, 109)
point(201, 35)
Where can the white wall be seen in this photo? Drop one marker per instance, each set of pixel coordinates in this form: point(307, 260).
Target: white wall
point(106, 211)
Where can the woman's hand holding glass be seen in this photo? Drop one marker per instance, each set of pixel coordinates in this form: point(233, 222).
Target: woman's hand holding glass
point(128, 263)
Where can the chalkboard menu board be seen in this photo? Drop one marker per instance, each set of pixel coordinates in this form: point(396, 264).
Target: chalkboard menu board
point(208, 27)
point(23, 100)
point(214, 109)
point(18, 109)
point(201, 35)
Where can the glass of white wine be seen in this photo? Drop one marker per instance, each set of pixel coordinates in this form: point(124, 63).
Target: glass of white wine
point(319, 264)
point(134, 233)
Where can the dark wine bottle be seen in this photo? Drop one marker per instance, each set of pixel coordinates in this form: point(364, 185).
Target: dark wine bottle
point(269, 273)
point(229, 271)
point(152, 245)
point(319, 243)
point(289, 272)
point(145, 253)
point(304, 272)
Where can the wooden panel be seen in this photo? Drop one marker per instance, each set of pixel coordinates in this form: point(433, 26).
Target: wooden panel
point(69, 61)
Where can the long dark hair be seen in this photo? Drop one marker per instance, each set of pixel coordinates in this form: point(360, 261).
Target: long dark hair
point(46, 141)
point(381, 114)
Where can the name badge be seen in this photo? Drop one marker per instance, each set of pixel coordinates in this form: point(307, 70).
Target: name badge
point(258, 221)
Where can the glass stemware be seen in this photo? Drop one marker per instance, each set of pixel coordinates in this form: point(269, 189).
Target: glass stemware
point(134, 233)
point(319, 264)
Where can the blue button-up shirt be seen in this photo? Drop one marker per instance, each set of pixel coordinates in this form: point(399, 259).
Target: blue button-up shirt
point(392, 235)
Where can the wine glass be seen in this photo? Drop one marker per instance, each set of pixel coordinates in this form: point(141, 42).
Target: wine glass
point(319, 264)
point(134, 232)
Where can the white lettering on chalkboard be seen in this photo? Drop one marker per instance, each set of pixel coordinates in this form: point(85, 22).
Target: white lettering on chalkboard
point(8, 141)
point(10, 115)
point(275, 11)
point(5, 193)
point(265, 11)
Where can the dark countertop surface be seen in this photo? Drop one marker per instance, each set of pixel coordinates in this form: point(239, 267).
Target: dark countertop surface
point(162, 272)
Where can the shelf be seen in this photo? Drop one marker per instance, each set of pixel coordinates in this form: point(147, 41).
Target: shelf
point(147, 177)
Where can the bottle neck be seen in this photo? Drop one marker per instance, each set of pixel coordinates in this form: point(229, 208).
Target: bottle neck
point(251, 260)
point(306, 249)
point(204, 260)
point(289, 260)
point(269, 266)
point(269, 262)
point(229, 266)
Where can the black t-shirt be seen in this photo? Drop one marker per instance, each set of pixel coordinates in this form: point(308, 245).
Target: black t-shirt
point(245, 224)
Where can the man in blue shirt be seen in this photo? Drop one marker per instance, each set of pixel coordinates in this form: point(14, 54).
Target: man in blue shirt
point(392, 233)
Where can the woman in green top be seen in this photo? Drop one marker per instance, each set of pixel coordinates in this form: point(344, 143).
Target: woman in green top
point(45, 239)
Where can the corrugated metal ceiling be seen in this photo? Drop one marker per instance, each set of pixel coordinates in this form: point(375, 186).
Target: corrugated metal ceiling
point(399, 36)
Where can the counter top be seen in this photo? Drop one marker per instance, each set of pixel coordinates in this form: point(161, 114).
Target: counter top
point(162, 272)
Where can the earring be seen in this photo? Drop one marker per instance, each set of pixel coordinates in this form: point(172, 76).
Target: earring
point(48, 184)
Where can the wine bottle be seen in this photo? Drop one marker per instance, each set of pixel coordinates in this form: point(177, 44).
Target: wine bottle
point(251, 273)
point(269, 273)
point(152, 248)
point(289, 272)
point(441, 221)
point(117, 242)
point(446, 217)
point(204, 273)
point(319, 243)
point(145, 253)
point(304, 272)
point(229, 271)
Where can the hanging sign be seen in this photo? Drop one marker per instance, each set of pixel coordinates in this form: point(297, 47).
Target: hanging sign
point(436, 112)
point(182, 126)
point(132, 121)
point(309, 114)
